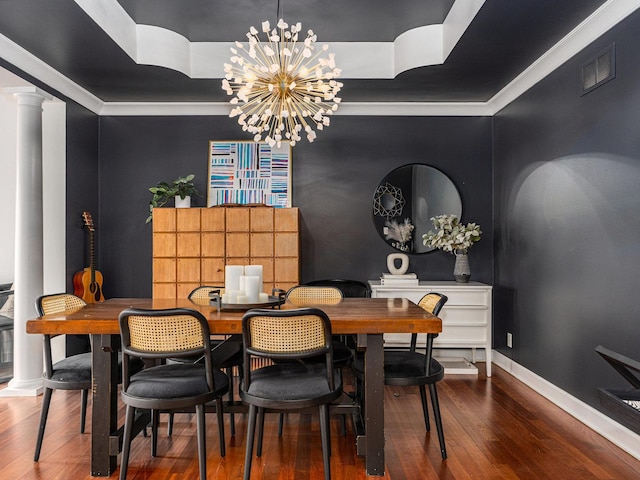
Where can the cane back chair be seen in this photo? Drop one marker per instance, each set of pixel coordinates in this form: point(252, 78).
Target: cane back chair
point(226, 352)
point(288, 337)
point(71, 373)
point(407, 366)
point(158, 335)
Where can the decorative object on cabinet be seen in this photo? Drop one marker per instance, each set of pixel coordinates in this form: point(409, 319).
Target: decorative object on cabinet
point(406, 199)
point(191, 247)
point(456, 238)
point(181, 189)
point(392, 258)
point(281, 86)
point(245, 173)
point(462, 269)
point(466, 318)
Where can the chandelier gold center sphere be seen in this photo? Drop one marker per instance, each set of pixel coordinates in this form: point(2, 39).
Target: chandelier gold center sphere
point(282, 87)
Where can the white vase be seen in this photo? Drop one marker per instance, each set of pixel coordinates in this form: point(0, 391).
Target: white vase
point(183, 202)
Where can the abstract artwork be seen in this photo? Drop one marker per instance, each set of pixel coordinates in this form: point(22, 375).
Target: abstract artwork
point(243, 172)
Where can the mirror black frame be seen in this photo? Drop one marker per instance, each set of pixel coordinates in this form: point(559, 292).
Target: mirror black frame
point(409, 196)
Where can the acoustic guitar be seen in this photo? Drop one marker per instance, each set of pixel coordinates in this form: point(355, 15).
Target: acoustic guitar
point(87, 283)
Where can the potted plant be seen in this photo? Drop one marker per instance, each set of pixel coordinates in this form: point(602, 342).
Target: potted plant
point(456, 238)
point(182, 189)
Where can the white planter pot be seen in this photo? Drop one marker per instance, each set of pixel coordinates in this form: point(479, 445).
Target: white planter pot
point(183, 202)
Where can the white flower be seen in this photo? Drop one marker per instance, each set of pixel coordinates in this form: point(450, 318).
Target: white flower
point(451, 236)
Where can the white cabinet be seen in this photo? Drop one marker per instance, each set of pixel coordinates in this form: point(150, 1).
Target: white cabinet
point(466, 317)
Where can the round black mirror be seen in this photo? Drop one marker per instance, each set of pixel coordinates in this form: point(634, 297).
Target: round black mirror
point(406, 200)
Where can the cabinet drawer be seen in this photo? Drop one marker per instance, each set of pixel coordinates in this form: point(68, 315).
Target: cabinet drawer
point(460, 296)
point(464, 316)
point(452, 335)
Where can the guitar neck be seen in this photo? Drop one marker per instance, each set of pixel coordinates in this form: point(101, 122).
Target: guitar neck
point(92, 253)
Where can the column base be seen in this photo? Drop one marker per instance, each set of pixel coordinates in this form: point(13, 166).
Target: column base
point(16, 388)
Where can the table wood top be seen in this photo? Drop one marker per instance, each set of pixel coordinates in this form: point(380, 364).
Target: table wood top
point(351, 315)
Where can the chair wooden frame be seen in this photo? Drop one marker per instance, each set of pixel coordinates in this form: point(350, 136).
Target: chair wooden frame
point(156, 335)
point(347, 287)
point(287, 336)
point(224, 355)
point(407, 367)
point(71, 373)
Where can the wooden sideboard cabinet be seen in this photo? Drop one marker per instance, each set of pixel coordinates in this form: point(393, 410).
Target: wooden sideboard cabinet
point(466, 317)
point(191, 246)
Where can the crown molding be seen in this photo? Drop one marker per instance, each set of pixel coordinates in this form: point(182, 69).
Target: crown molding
point(603, 19)
point(32, 65)
point(399, 109)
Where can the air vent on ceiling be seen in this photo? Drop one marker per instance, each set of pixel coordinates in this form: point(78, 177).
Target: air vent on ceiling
point(599, 69)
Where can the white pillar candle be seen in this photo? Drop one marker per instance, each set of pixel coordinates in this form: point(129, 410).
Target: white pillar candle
point(232, 275)
point(232, 296)
point(251, 288)
point(243, 299)
point(251, 270)
point(263, 297)
point(242, 285)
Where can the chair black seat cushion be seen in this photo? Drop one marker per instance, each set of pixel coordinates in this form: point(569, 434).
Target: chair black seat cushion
point(405, 368)
point(290, 382)
point(174, 380)
point(76, 368)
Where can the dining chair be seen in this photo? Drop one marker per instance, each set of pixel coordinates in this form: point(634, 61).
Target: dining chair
point(293, 339)
point(226, 353)
point(316, 296)
point(349, 288)
point(71, 373)
point(407, 366)
point(156, 335)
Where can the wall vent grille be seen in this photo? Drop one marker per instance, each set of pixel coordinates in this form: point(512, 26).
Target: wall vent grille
point(599, 69)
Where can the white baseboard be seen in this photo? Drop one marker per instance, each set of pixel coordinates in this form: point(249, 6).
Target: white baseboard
point(613, 431)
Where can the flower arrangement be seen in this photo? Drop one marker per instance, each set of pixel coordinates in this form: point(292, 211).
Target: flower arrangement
point(451, 236)
point(401, 233)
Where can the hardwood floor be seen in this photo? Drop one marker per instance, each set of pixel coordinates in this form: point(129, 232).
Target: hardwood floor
point(495, 428)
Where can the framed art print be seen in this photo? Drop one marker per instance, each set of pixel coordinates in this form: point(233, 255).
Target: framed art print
point(245, 172)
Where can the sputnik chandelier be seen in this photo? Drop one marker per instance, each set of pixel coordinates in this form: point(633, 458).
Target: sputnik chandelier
point(281, 87)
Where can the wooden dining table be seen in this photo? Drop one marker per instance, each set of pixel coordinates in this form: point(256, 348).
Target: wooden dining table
point(368, 318)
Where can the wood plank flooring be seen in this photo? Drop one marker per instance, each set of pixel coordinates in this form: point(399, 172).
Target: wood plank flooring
point(495, 428)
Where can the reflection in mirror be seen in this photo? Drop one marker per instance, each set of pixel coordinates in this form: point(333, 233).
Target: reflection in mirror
point(406, 200)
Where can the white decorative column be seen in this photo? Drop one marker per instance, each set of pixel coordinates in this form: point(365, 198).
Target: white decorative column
point(27, 362)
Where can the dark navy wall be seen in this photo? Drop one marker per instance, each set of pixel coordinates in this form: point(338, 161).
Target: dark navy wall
point(567, 193)
point(333, 179)
point(82, 185)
